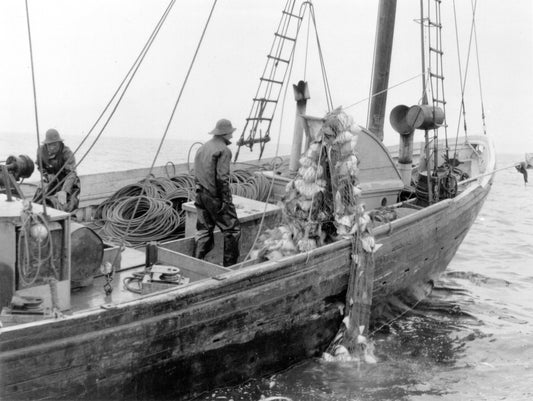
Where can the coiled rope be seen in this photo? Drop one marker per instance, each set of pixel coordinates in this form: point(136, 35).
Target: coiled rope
point(31, 259)
point(151, 210)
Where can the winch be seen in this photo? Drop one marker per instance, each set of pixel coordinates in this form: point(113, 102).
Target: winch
point(13, 170)
point(162, 277)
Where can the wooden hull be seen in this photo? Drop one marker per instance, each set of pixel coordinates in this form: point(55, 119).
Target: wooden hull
point(220, 331)
point(243, 323)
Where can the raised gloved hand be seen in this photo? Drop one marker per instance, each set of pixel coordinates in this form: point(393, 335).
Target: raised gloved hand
point(48, 177)
point(62, 197)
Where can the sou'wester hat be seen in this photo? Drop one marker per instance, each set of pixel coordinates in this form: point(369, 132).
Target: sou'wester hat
point(223, 127)
point(52, 136)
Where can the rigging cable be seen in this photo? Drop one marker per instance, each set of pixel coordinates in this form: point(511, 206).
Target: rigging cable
point(322, 63)
point(460, 76)
point(366, 99)
point(129, 76)
point(183, 85)
point(141, 198)
point(126, 81)
point(463, 79)
point(307, 45)
point(479, 72)
point(35, 101)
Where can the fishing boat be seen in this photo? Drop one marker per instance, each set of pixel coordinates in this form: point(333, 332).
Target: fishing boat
point(191, 325)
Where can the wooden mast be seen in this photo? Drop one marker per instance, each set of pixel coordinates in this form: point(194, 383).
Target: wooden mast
point(382, 58)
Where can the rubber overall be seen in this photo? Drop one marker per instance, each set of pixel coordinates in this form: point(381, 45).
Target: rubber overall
point(214, 203)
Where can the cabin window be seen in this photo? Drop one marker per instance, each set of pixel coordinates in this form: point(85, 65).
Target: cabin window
point(384, 202)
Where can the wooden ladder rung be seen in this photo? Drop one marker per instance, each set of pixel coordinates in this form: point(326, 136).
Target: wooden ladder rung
point(271, 80)
point(436, 51)
point(251, 141)
point(436, 76)
point(291, 15)
point(262, 99)
point(278, 59)
point(284, 37)
point(258, 119)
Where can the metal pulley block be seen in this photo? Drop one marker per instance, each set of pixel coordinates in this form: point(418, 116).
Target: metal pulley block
point(167, 274)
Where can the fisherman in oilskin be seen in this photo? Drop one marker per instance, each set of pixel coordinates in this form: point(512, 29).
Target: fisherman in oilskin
point(214, 203)
point(61, 181)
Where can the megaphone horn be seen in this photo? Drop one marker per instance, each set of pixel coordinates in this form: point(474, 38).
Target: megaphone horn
point(398, 120)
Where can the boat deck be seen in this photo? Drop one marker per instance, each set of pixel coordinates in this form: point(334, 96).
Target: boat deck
point(133, 261)
point(93, 295)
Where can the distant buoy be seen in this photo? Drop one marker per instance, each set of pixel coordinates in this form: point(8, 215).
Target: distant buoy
point(39, 232)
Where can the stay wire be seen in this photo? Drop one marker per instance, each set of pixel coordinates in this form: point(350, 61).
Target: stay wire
point(464, 79)
point(460, 73)
point(35, 98)
point(174, 108)
point(307, 45)
point(366, 99)
point(124, 85)
point(322, 62)
point(183, 85)
point(479, 73)
point(128, 78)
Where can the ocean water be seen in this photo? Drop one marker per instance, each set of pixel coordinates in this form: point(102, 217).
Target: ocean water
point(471, 340)
point(122, 153)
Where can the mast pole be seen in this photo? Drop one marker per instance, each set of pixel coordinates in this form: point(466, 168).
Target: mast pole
point(382, 59)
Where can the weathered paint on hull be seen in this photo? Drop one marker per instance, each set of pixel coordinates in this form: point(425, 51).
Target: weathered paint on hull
point(246, 323)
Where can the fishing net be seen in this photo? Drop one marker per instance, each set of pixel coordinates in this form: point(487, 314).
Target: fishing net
point(322, 203)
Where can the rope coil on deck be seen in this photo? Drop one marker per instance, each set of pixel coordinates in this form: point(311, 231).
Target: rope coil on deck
point(151, 210)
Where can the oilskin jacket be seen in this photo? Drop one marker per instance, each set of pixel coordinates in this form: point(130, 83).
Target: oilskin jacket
point(58, 178)
point(212, 168)
point(213, 202)
point(52, 164)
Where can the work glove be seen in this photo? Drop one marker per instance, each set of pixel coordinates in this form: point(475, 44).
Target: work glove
point(62, 197)
point(48, 177)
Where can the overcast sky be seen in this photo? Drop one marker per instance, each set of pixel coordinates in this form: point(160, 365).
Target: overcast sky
point(83, 48)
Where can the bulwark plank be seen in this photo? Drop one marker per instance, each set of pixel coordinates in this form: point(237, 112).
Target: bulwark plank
point(160, 325)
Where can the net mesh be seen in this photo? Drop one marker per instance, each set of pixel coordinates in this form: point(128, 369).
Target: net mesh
point(323, 201)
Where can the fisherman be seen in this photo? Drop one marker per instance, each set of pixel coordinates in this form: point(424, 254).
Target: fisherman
point(214, 203)
point(56, 162)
